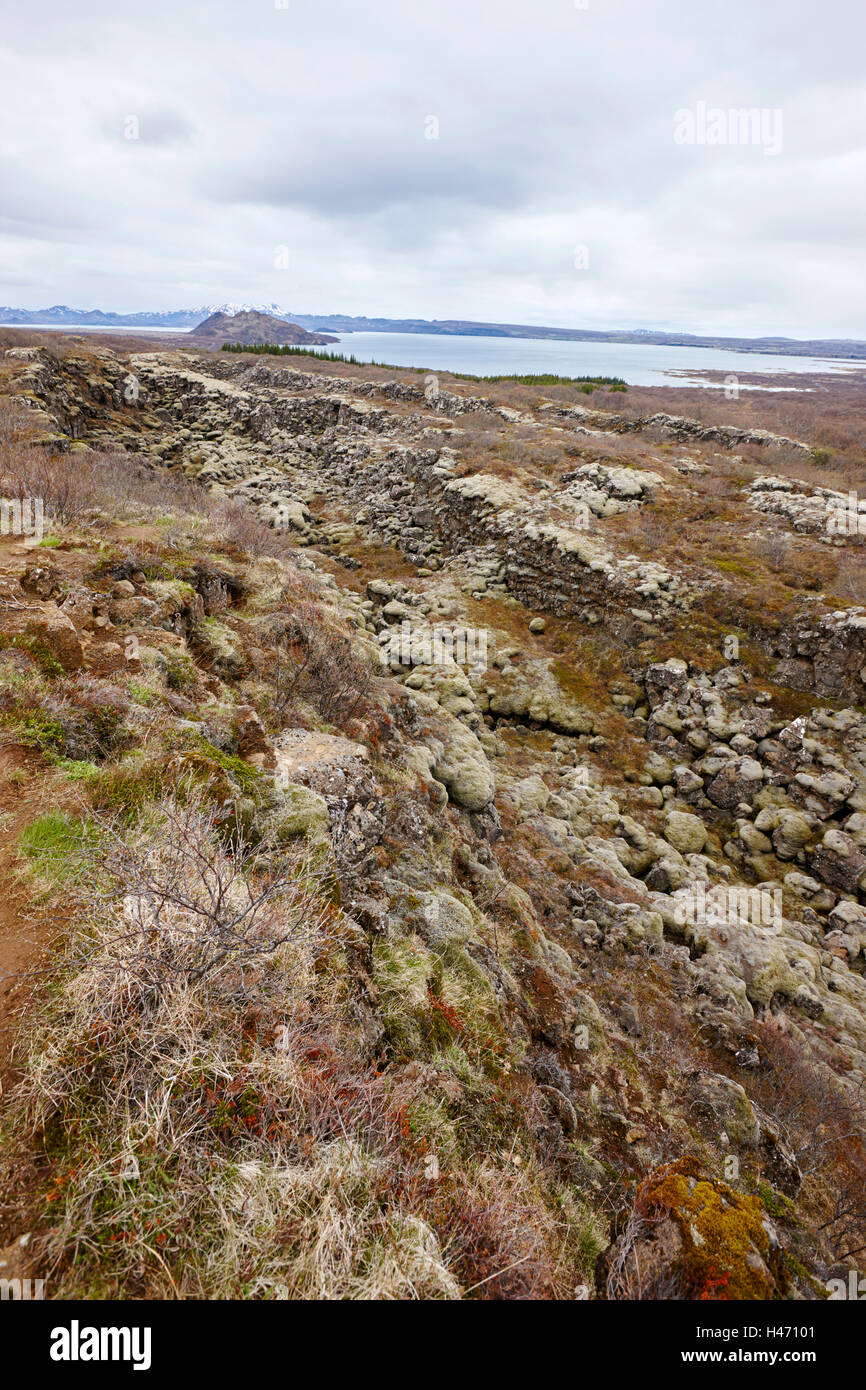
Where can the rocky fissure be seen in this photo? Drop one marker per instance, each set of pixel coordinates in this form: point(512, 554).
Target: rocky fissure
point(647, 867)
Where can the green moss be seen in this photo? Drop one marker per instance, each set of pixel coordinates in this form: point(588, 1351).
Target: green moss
point(40, 653)
point(35, 728)
point(129, 785)
point(142, 694)
point(402, 971)
point(112, 563)
point(775, 1203)
point(800, 1272)
point(77, 769)
point(248, 778)
point(301, 812)
point(733, 566)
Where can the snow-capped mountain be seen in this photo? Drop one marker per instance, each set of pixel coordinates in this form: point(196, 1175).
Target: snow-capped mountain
point(273, 309)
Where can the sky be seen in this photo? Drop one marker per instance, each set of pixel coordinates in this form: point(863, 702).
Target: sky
point(547, 162)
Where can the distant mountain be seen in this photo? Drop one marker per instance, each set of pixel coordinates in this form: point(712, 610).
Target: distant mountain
point(60, 315)
point(794, 347)
point(250, 327)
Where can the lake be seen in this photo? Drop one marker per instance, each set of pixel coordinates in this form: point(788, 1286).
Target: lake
point(640, 364)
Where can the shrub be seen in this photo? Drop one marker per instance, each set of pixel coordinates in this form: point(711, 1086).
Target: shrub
point(81, 719)
point(127, 786)
point(181, 673)
point(321, 665)
point(181, 1066)
point(822, 1125)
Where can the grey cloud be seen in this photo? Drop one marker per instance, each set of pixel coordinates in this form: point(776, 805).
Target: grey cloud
point(305, 128)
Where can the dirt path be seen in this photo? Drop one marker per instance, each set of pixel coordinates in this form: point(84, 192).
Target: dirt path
point(24, 931)
point(27, 930)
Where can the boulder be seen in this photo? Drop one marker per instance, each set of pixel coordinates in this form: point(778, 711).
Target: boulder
point(252, 741)
point(792, 833)
point(855, 826)
point(444, 921)
point(666, 680)
point(57, 633)
point(44, 581)
point(839, 861)
point(460, 763)
point(300, 812)
point(740, 780)
point(687, 833)
point(530, 795)
point(727, 1103)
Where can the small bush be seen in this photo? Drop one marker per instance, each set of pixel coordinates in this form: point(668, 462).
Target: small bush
point(319, 664)
point(79, 720)
point(127, 787)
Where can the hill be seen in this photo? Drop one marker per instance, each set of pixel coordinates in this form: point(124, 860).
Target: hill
point(250, 327)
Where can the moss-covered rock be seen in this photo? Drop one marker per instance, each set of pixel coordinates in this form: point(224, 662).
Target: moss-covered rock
point(460, 763)
point(299, 812)
point(687, 833)
point(690, 1236)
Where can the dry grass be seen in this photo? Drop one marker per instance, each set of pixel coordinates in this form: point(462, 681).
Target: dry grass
point(822, 1125)
point(203, 1120)
point(183, 1054)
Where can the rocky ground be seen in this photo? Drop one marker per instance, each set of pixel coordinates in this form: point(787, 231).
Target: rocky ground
point(564, 706)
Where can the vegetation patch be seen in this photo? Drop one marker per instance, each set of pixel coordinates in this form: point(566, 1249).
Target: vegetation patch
point(56, 845)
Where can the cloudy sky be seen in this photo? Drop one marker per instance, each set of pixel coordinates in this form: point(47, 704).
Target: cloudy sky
point(477, 159)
